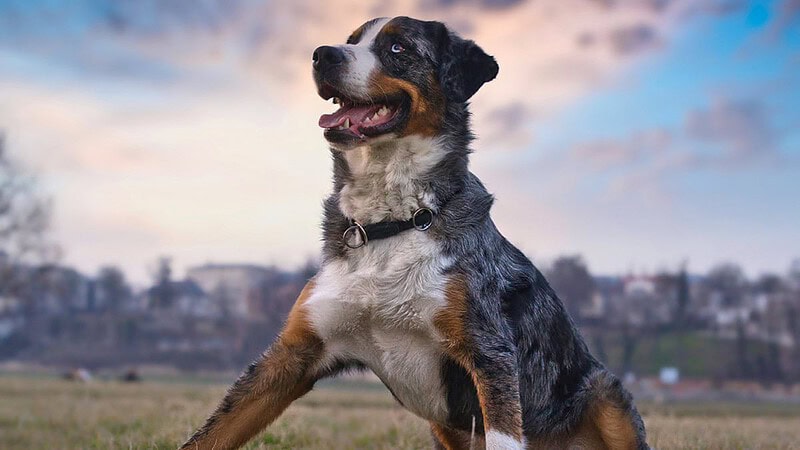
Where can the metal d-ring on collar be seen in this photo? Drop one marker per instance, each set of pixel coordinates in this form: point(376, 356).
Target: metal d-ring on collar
point(355, 227)
point(421, 220)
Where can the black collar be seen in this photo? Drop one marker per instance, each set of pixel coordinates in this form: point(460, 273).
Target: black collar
point(357, 235)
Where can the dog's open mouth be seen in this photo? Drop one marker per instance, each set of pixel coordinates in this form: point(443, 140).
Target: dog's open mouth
point(359, 120)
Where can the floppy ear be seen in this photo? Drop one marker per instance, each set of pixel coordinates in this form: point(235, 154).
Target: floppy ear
point(463, 66)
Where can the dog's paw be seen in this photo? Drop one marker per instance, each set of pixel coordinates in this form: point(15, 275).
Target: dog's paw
point(496, 440)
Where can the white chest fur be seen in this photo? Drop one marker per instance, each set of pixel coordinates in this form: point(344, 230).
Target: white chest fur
point(387, 179)
point(377, 307)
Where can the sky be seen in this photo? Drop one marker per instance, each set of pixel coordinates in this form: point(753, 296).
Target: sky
point(638, 133)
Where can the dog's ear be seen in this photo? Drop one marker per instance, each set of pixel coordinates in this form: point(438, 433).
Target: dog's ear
point(463, 66)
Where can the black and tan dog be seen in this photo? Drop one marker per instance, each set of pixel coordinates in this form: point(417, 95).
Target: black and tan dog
point(416, 282)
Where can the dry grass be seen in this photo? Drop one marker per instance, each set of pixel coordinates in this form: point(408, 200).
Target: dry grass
point(54, 414)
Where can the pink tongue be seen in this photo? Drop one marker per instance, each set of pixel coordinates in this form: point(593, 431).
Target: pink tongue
point(357, 114)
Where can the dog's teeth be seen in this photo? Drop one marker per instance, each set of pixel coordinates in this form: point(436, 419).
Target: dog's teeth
point(367, 120)
point(383, 111)
point(375, 116)
point(346, 123)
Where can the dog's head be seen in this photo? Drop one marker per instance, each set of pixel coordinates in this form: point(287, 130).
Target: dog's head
point(395, 78)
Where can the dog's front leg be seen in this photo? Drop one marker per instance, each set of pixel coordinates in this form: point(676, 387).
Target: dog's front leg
point(494, 372)
point(481, 342)
point(267, 387)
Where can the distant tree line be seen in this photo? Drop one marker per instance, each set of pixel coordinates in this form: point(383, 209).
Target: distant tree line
point(720, 324)
point(749, 327)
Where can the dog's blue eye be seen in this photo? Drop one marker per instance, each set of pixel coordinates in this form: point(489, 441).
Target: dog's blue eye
point(397, 48)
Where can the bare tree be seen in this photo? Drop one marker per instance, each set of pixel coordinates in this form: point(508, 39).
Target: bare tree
point(24, 218)
point(793, 277)
point(769, 283)
point(683, 297)
point(163, 293)
point(742, 364)
point(792, 315)
point(728, 281)
point(224, 301)
point(112, 288)
point(573, 283)
point(630, 335)
point(633, 314)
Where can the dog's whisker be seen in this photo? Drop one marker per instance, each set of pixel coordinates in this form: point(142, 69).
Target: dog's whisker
point(472, 435)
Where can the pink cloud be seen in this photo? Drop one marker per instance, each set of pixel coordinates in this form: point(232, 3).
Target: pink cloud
point(202, 118)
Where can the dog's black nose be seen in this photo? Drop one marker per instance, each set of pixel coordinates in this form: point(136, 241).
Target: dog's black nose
point(327, 56)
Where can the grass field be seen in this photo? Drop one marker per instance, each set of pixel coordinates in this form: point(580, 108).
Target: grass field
point(42, 413)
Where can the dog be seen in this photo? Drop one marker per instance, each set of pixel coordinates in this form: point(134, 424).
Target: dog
point(416, 283)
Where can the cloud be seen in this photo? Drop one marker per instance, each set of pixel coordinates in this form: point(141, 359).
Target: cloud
point(726, 135)
point(787, 18)
point(633, 39)
point(488, 4)
point(714, 8)
point(250, 41)
point(614, 152)
point(195, 115)
point(741, 128)
point(43, 19)
point(510, 125)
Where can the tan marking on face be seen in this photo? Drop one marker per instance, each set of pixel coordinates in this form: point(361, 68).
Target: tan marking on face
point(426, 112)
point(355, 36)
point(391, 28)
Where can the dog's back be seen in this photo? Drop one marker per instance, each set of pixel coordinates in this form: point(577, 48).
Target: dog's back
point(566, 395)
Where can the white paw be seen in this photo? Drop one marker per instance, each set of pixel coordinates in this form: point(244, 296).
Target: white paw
point(496, 440)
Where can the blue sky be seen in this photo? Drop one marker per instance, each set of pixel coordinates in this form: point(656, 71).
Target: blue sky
point(719, 204)
point(639, 133)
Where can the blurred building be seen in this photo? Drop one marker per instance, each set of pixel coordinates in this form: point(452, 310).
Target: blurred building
point(234, 287)
point(188, 299)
